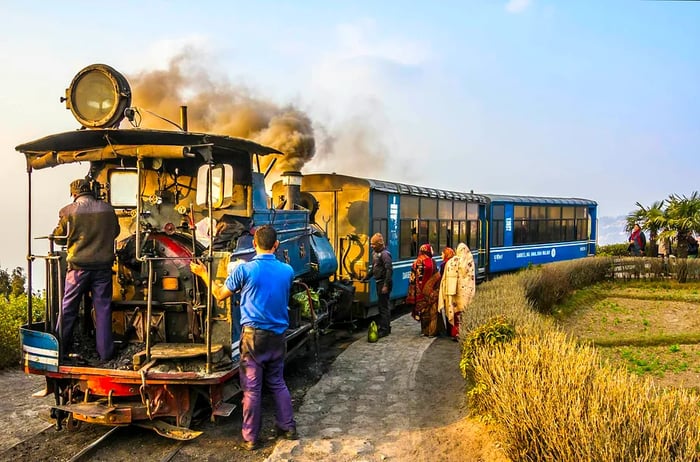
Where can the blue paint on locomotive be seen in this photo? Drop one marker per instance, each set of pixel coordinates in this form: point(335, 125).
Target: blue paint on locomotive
point(323, 255)
point(39, 349)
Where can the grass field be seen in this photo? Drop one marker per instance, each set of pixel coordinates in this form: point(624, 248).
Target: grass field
point(652, 329)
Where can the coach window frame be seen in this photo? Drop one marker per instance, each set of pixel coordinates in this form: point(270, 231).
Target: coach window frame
point(409, 214)
point(380, 213)
point(498, 225)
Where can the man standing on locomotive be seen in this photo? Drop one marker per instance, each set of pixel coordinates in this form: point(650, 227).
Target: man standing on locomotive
point(265, 283)
point(381, 270)
point(88, 228)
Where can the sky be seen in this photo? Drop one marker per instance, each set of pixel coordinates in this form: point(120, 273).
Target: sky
point(591, 99)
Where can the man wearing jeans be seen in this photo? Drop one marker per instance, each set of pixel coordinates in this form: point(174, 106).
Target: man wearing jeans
point(265, 283)
point(87, 227)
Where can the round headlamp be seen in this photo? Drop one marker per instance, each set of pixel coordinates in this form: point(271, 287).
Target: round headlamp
point(97, 96)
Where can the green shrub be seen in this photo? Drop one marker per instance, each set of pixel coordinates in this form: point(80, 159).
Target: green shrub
point(550, 284)
point(613, 250)
point(13, 313)
point(496, 331)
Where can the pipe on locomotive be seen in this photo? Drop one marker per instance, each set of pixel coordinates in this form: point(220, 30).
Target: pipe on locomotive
point(292, 181)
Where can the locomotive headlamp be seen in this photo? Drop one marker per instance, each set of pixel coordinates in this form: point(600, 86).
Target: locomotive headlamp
point(97, 96)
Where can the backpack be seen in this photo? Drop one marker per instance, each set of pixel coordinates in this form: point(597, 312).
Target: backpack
point(643, 240)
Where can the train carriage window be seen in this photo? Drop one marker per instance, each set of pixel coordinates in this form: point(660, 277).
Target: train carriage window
point(473, 233)
point(581, 223)
point(568, 230)
point(428, 209)
point(472, 211)
point(123, 188)
point(455, 234)
point(445, 235)
point(497, 225)
point(521, 232)
point(408, 247)
point(408, 226)
point(460, 210)
point(380, 205)
point(538, 213)
point(553, 213)
point(521, 213)
point(380, 213)
point(433, 234)
point(445, 209)
point(542, 235)
point(422, 232)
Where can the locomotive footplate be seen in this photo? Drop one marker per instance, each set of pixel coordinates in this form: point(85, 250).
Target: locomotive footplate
point(180, 350)
point(98, 413)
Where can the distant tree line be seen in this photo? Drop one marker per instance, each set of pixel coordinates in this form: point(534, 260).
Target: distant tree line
point(12, 283)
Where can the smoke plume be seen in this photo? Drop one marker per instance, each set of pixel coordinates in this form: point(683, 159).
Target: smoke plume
point(223, 108)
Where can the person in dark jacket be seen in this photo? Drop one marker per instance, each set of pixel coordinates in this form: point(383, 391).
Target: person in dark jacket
point(637, 241)
point(88, 228)
point(381, 271)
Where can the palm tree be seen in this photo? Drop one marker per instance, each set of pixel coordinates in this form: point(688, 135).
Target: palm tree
point(681, 218)
point(649, 219)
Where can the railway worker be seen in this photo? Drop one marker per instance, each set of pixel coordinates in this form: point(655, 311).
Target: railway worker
point(90, 226)
point(265, 283)
point(381, 271)
point(457, 287)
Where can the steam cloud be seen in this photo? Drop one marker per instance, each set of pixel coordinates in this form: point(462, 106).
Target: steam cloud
point(220, 107)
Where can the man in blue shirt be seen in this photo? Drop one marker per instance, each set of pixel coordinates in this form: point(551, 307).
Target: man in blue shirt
point(264, 283)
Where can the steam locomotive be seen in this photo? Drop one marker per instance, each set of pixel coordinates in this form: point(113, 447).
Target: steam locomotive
point(181, 195)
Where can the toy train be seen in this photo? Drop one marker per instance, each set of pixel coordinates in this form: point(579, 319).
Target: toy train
point(181, 195)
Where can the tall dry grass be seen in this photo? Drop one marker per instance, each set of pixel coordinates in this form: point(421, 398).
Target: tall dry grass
point(551, 398)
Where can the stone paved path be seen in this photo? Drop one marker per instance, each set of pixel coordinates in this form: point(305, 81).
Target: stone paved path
point(361, 410)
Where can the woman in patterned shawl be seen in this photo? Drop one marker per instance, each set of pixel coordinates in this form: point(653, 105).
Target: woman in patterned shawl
point(422, 269)
point(457, 287)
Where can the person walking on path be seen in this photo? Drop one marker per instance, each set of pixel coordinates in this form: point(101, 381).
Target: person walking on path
point(265, 283)
point(381, 271)
point(88, 228)
point(457, 287)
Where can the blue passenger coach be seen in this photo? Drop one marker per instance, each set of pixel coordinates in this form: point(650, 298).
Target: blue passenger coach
point(528, 230)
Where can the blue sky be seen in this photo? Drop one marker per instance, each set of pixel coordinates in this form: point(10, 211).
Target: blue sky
point(588, 99)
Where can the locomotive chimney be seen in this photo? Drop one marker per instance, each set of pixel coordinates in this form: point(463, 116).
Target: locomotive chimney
point(183, 118)
point(292, 181)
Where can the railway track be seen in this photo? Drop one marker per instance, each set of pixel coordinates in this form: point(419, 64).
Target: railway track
point(95, 443)
point(220, 440)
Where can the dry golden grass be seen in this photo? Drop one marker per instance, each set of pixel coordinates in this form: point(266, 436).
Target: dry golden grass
point(551, 398)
